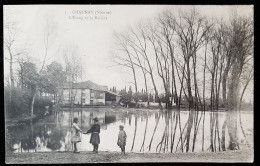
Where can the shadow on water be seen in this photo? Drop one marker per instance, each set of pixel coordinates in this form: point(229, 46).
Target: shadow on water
point(158, 131)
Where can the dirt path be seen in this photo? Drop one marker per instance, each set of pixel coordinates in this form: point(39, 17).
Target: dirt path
point(107, 157)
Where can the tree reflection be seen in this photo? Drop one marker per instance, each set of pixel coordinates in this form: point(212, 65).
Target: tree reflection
point(54, 141)
point(165, 137)
point(175, 117)
point(130, 119)
point(134, 133)
point(53, 133)
point(110, 118)
point(157, 118)
point(56, 136)
point(146, 117)
point(29, 142)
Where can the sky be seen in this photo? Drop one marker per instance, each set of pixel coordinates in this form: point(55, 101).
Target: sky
point(89, 30)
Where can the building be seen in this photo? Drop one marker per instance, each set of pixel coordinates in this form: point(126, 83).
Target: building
point(88, 93)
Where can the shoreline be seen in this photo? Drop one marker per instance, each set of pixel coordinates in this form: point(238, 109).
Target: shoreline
point(239, 156)
point(26, 119)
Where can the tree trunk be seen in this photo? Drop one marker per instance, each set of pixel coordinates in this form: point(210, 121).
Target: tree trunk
point(191, 107)
point(224, 92)
point(204, 80)
point(233, 103)
point(32, 105)
point(240, 101)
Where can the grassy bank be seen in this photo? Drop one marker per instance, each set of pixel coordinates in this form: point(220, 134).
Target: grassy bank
point(108, 157)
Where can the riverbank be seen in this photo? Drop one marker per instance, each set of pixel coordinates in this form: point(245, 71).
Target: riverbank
point(23, 119)
point(246, 155)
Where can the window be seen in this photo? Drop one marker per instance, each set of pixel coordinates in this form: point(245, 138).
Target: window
point(101, 95)
point(83, 100)
point(91, 94)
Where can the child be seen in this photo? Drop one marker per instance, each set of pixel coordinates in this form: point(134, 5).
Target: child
point(94, 139)
point(121, 142)
point(75, 134)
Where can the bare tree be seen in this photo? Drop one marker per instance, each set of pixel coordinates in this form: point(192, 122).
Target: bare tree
point(141, 43)
point(49, 35)
point(191, 31)
point(239, 46)
point(161, 49)
point(73, 72)
point(141, 63)
point(213, 64)
point(12, 52)
point(123, 44)
point(246, 78)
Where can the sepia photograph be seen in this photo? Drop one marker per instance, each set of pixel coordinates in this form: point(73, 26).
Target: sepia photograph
point(128, 83)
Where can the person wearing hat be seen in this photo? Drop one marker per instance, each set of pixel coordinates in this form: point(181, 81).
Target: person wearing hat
point(121, 142)
point(94, 139)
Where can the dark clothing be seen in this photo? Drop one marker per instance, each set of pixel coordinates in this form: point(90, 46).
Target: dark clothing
point(122, 149)
point(95, 148)
point(94, 138)
point(95, 130)
point(121, 142)
point(121, 138)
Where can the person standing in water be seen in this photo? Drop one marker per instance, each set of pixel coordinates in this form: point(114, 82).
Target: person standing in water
point(121, 142)
point(75, 134)
point(94, 139)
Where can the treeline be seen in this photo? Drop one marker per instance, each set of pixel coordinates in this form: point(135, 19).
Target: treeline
point(142, 96)
point(196, 57)
point(33, 90)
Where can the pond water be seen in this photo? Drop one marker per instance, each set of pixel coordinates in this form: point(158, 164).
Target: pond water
point(52, 133)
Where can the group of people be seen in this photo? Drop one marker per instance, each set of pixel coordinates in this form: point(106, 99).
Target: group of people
point(95, 139)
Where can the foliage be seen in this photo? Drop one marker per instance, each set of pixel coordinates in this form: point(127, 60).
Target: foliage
point(55, 76)
point(19, 104)
point(28, 75)
point(40, 103)
point(54, 140)
point(47, 81)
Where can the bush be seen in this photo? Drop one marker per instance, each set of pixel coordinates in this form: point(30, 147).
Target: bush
point(19, 103)
point(40, 103)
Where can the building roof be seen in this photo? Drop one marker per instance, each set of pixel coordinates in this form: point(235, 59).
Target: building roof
point(88, 85)
point(113, 93)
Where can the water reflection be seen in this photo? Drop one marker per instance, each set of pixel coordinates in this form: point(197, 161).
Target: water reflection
point(147, 131)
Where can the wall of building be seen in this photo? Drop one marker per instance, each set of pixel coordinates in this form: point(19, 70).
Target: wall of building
point(77, 94)
point(86, 97)
point(65, 98)
point(67, 94)
point(97, 97)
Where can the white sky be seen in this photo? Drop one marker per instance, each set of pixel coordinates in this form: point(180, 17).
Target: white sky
point(92, 38)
